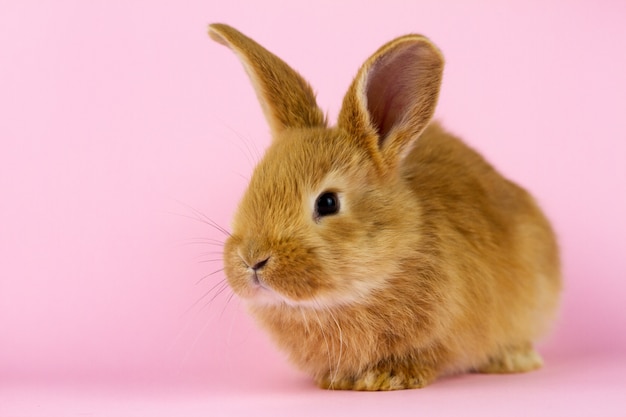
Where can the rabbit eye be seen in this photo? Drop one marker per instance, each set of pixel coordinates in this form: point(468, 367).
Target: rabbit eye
point(327, 204)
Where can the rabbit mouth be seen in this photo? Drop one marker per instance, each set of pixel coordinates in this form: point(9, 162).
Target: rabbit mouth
point(261, 292)
point(258, 282)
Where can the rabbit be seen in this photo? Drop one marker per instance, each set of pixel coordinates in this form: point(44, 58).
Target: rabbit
point(384, 253)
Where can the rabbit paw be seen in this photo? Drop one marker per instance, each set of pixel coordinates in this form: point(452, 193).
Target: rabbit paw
point(385, 377)
point(511, 360)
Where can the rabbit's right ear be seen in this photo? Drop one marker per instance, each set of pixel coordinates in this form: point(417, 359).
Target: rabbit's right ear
point(286, 98)
point(393, 97)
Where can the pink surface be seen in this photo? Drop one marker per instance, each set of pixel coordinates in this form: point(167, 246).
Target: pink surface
point(116, 118)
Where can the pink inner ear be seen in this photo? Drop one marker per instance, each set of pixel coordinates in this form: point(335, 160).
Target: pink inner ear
point(393, 87)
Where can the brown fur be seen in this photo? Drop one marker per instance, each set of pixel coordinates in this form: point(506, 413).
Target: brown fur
point(434, 264)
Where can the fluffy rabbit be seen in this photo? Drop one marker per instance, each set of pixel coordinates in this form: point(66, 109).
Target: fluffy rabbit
point(383, 252)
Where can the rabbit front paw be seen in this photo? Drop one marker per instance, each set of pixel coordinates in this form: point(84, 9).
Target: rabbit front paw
point(383, 377)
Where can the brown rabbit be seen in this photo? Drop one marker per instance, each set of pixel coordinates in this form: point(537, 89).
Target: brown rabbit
point(384, 252)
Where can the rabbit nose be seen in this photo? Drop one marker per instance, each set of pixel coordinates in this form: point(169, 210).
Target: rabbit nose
point(260, 264)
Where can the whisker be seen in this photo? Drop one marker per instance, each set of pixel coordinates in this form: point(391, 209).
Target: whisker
point(232, 319)
point(204, 238)
point(243, 177)
point(247, 154)
point(221, 290)
point(210, 253)
point(230, 297)
point(201, 241)
point(205, 326)
point(180, 333)
point(252, 157)
point(204, 220)
point(201, 217)
point(206, 294)
point(211, 260)
point(220, 244)
point(211, 222)
point(209, 275)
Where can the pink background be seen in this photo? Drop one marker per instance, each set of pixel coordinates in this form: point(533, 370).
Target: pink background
point(119, 117)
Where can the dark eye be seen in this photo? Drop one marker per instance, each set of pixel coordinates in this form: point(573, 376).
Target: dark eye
point(327, 204)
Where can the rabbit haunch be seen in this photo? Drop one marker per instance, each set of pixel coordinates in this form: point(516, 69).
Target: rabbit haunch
point(432, 262)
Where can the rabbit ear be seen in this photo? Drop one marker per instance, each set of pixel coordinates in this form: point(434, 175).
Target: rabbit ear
point(286, 98)
point(393, 96)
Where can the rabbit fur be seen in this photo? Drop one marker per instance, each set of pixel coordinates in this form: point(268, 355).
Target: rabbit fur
point(433, 264)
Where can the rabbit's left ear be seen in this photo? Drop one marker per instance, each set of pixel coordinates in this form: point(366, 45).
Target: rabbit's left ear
point(286, 98)
point(393, 97)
